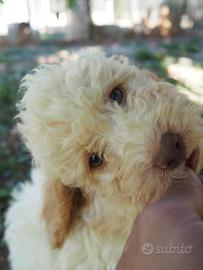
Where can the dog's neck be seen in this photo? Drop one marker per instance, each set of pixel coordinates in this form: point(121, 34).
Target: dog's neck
point(110, 216)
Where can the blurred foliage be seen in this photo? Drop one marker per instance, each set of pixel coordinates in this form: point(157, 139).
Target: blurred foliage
point(71, 3)
point(16, 62)
point(152, 60)
point(183, 49)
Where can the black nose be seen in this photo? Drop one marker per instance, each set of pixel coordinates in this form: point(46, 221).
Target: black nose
point(171, 152)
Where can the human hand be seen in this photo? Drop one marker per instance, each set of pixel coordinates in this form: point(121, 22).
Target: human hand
point(168, 234)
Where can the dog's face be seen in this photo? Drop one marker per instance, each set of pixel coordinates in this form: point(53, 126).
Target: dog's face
point(99, 123)
point(104, 126)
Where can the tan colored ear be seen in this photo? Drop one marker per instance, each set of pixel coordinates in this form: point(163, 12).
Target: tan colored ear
point(61, 211)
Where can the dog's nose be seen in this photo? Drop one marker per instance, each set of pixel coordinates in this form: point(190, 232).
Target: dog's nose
point(171, 152)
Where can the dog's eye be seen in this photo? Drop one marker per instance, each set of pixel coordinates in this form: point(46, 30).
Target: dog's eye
point(95, 160)
point(116, 95)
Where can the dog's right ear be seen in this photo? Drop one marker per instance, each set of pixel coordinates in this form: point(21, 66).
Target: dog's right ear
point(62, 209)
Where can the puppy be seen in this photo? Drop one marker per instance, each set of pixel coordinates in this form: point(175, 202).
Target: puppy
point(106, 139)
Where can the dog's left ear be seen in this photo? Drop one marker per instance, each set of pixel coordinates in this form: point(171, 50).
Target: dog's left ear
point(62, 208)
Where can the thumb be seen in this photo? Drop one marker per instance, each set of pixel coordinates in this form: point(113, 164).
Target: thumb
point(188, 189)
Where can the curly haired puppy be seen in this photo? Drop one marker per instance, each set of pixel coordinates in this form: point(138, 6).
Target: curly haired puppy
point(106, 139)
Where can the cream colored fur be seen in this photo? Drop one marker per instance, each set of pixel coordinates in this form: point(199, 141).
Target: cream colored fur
point(65, 116)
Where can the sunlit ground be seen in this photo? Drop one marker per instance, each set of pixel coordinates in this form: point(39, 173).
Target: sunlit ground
point(179, 62)
point(189, 75)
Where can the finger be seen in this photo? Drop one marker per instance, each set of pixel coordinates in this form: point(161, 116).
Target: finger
point(188, 189)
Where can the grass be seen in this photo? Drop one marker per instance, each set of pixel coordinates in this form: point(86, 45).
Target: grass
point(183, 48)
point(14, 63)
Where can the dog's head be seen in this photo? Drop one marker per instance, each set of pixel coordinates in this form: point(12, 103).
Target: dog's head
point(102, 126)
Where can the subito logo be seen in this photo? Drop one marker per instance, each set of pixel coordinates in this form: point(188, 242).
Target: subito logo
point(147, 249)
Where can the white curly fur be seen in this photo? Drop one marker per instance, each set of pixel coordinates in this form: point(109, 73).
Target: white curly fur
point(65, 116)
